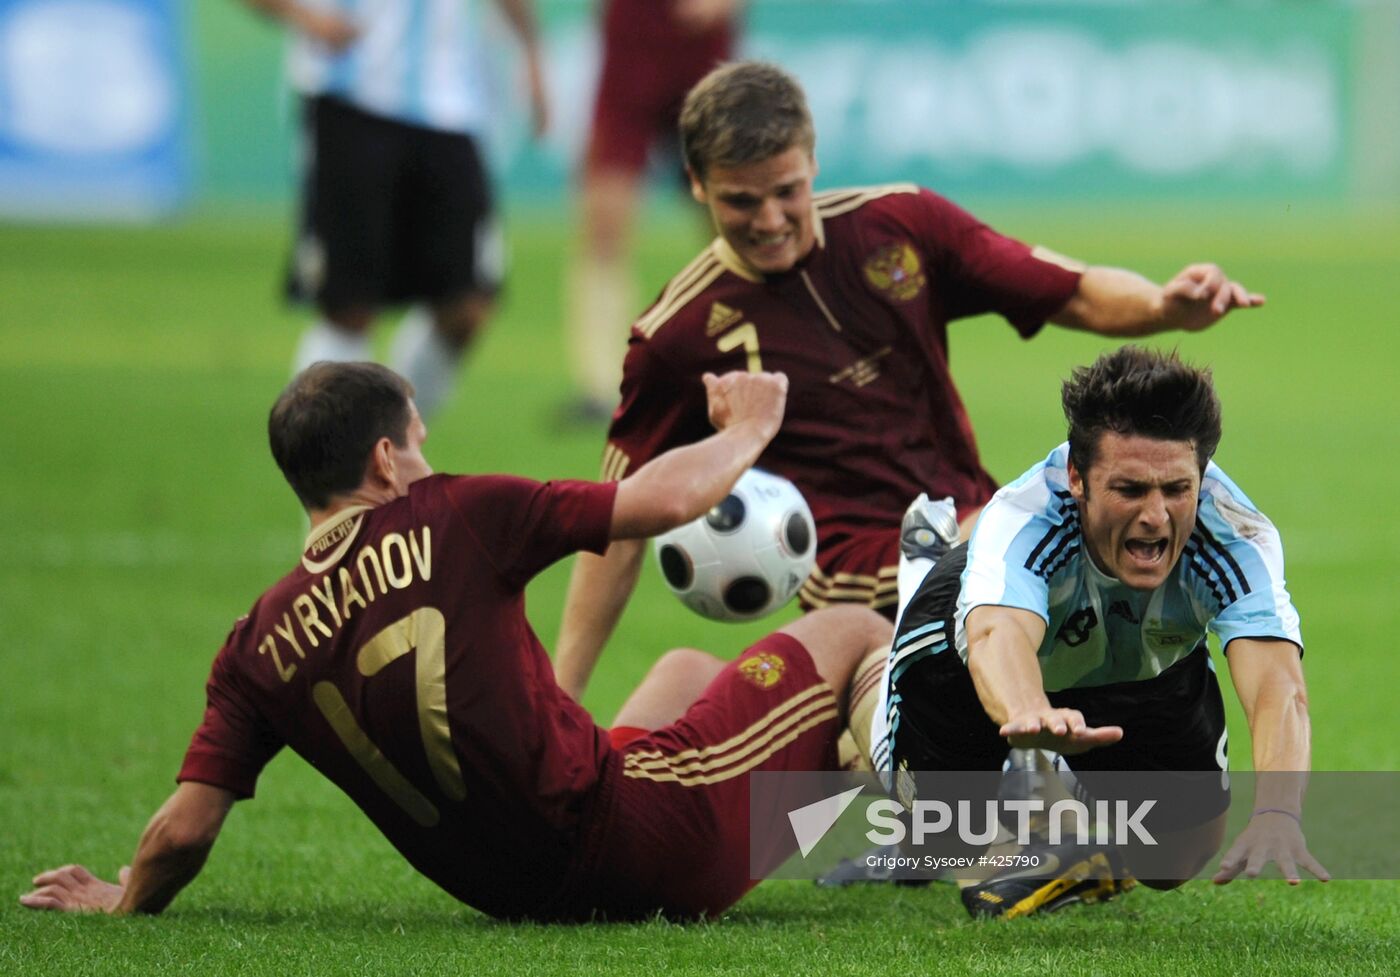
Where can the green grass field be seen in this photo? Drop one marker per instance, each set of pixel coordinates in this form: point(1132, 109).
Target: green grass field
point(142, 514)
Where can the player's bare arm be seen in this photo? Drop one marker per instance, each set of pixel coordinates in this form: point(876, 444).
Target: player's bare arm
point(520, 14)
point(171, 852)
point(682, 483)
point(598, 592)
point(1002, 661)
point(326, 26)
point(748, 408)
point(1117, 302)
point(1268, 678)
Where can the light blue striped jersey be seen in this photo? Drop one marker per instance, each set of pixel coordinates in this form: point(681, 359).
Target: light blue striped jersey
point(415, 61)
point(1027, 552)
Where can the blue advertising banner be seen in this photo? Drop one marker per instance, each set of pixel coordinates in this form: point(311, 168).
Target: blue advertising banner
point(94, 112)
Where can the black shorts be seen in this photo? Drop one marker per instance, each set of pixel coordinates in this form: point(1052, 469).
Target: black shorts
point(391, 213)
point(1173, 722)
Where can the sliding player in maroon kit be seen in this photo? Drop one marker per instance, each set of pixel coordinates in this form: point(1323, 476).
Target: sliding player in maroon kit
point(397, 659)
point(849, 293)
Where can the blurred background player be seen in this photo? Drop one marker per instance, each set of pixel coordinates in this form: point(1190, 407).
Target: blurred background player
point(396, 658)
point(653, 52)
point(848, 293)
point(1075, 621)
point(396, 202)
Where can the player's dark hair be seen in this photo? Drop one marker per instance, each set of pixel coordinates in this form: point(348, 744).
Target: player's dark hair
point(1139, 391)
point(328, 420)
point(744, 112)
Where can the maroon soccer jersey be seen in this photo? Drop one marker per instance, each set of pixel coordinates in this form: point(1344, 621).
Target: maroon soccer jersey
point(397, 660)
point(860, 329)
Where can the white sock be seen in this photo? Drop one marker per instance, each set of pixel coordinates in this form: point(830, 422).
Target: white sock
point(323, 341)
point(911, 574)
point(425, 359)
point(600, 306)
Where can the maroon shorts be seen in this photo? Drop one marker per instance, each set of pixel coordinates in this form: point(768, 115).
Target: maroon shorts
point(862, 569)
point(649, 64)
point(674, 835)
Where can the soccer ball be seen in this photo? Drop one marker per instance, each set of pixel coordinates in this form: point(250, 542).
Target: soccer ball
point(747, 556)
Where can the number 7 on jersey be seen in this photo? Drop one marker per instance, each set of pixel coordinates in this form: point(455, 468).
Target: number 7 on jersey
point(423, 631)
point(745, 336)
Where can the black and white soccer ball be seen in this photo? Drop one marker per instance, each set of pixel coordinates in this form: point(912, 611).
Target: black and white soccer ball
point(747, 556)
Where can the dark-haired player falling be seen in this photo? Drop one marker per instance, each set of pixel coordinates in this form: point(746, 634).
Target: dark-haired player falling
point(1075, 620)
point(396, 658)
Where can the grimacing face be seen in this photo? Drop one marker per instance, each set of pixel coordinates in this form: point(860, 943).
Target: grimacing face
point(1137, 506)
point(763, 210)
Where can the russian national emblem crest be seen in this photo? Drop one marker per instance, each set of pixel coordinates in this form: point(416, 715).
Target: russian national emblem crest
point(895, 271)
point(763, 670)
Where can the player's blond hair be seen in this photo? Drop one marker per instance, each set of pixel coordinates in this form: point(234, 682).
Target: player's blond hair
point(744, 112)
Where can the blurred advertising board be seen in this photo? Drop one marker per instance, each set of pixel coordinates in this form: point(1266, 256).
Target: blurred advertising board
point(1204, 99)
point(1036, 97)
point(1172, 99)
point(94, 109)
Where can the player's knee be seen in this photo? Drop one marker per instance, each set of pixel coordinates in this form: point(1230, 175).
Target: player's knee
point(841, 629)
point(1163, 885)
point(838, 637)
point(606, 239)
point(686, 668)
point(460, 320)
point(356, 319)
point(1177, 856)
point(672, 685)
point(609, 199)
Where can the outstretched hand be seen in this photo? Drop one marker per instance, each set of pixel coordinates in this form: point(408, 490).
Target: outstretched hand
point(73, 889)
point(756, 398)
point(1200, 295)
point(1270, 836)
point(1061, 730)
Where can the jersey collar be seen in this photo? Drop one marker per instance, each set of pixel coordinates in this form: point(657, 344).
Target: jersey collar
point(329, 541)
point(731, 260)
